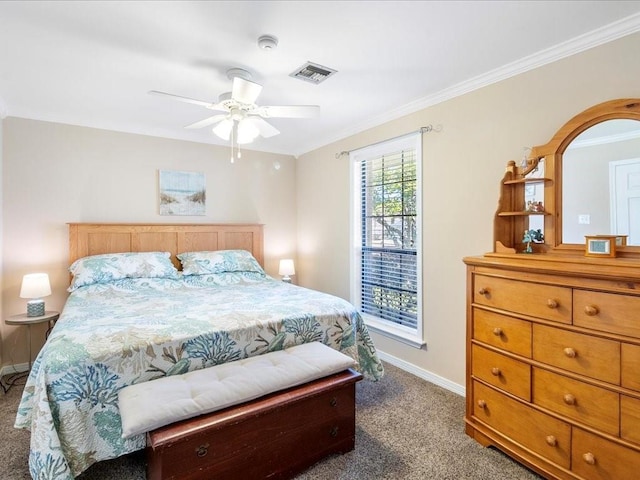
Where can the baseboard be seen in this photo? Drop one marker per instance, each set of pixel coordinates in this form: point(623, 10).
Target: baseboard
point(422, 373)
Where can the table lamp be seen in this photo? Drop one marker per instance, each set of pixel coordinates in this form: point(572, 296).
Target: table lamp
point(35, 286)
point(286, 269)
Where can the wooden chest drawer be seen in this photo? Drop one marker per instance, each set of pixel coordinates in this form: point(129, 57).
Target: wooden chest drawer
point(584, 354)
point(275, 436)
point(630, 418)
point(607, 312)
point(588, 404)
point(541, 433)
point(631, 366)
point(543, 301)
point(506, 333)
point(506, 373)
point(596, 458)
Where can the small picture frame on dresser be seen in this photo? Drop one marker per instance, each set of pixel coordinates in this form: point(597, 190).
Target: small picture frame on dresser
point(621, 240)
point(601, 245)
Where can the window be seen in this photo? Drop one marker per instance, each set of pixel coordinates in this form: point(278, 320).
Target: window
point(386, 227)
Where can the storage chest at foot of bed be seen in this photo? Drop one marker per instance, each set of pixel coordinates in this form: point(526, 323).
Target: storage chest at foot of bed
point(276, 436)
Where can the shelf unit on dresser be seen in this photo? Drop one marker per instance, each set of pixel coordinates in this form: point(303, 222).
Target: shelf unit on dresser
point(512, 217)
point(553, 362)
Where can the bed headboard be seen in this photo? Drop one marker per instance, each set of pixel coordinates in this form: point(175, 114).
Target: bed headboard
point(98, 238)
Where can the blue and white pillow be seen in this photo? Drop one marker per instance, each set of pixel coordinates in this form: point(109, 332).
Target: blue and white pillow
point(219, 261)
point(116, 266)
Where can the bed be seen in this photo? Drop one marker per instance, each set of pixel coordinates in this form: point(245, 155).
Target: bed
point(136, 313)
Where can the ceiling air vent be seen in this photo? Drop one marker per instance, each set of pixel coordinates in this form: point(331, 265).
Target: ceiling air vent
point(312, 72)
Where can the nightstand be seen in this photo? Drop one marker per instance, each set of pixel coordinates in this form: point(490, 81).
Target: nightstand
point(49, 317)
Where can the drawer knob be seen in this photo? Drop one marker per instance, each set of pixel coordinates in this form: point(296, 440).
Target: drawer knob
point(551, 303)
point(333, 402)
point(570, 352)
point(551, 440)
point(497, 331)
point(591, 310)
point(202, 450)
point(482, 404)
point(569, 399)
point(495, 371)
point(334, 432)
point(589, 458)
point(483, 291)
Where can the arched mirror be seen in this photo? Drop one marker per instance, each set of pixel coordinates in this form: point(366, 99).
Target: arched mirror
point(585, 181)
point(601, 182)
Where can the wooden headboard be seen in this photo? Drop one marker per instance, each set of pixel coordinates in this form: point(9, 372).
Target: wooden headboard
point(98, 238)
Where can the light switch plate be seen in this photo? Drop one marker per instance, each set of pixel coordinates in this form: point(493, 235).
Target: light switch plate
point(584, 219)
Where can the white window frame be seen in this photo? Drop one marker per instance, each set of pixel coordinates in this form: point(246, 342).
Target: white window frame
point(384, 327)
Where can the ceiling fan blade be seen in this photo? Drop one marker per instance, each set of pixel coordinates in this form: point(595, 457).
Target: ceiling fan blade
point(182, 99)
point(208, 121)
point(288, 111)
point(265, 128)
point(245, 91)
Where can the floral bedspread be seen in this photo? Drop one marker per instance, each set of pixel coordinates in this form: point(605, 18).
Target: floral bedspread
point(135, 330)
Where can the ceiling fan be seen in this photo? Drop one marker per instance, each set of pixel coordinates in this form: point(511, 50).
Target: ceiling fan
point(241, 119)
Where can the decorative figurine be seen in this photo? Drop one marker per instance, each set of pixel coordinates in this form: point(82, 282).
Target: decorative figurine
point(532, 236)
point(535, 206)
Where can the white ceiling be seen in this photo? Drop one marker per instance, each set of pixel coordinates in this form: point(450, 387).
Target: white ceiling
point(92, 63)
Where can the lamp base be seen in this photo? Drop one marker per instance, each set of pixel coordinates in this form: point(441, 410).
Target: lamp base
point(286, 279)
point(35, 308)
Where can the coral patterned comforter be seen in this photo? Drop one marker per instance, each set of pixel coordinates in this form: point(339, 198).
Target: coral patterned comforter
point(135, 330)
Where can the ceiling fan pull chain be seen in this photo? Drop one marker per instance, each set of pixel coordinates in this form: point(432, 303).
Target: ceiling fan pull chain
point(233, 129)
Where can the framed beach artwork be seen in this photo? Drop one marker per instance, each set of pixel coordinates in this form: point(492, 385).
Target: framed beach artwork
point(182, 193)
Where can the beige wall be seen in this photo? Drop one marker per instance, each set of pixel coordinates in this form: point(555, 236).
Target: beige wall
point(54, 174)
point(462, 167)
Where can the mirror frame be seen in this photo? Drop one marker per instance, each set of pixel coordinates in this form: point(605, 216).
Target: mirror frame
point(551, 152)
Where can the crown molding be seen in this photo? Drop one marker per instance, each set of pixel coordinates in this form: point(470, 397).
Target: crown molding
point(600, 36)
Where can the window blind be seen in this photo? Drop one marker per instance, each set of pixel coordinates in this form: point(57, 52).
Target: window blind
point(389, 281)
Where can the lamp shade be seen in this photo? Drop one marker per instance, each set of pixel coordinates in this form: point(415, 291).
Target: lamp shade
point(286, 267)
point(35, 285)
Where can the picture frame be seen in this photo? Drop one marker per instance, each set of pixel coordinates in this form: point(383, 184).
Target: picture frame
point(181, 193)
point(600, 245)
point(621, 240)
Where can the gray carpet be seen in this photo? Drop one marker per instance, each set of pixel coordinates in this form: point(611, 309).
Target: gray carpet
point(406, 428)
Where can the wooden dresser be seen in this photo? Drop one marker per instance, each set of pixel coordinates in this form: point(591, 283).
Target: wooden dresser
point(553, 362)
point(553, 334)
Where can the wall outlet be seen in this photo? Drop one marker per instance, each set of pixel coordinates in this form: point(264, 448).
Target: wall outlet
point(584, 219)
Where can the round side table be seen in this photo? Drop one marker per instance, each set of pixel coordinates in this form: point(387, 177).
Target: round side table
point(49, 317)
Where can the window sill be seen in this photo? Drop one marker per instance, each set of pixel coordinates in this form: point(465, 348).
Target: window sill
point(396, 333)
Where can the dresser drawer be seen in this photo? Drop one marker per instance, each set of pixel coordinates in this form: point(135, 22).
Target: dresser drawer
point(596, 458)
point(630, 418)
point(507, 333)
point(543, 301)
point(607, 312)
point(546, 436)
point(506, 373)
point(584, 354)
point(593, 406)
point(631, 366)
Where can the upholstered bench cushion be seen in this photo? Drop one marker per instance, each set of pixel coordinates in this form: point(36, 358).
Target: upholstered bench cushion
point(150, 405)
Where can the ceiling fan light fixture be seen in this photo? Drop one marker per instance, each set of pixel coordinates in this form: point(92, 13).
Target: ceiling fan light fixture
point(223, 129)
point(247, 131)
